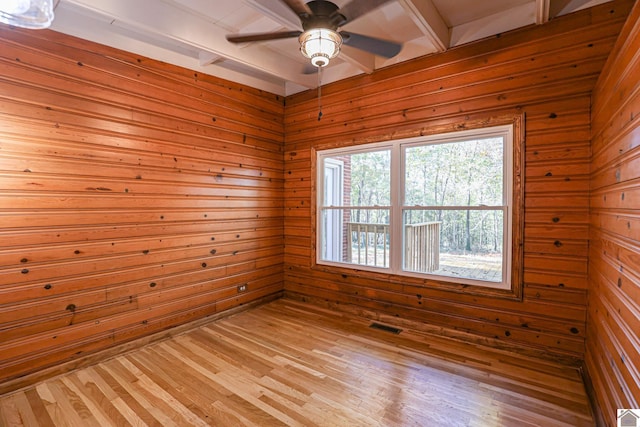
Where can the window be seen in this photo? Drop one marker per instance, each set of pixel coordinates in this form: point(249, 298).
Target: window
point(438, 207)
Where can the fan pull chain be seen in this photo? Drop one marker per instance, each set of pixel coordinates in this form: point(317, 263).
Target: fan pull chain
point(319, 93)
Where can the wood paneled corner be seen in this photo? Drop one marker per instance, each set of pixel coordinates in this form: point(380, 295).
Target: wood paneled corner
point(546, 73)
point(612, 357)
point(134, 196)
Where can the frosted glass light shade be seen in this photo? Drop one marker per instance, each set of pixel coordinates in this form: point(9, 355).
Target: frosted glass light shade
point(34, 14)
point(320, 45)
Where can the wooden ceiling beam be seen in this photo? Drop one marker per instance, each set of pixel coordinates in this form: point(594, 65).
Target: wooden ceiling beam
point(542, 11)
point(277, 12)
point(364, 61)
point(557, 6)
point(427, 17)
point(207, 58)
point(188, 29)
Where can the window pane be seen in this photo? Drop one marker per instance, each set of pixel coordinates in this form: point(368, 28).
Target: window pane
point(457, 243)
point(467, 173)
point(366, 178)
point(364, 242)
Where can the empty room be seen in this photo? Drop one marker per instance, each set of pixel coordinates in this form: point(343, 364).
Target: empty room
point(320, 213)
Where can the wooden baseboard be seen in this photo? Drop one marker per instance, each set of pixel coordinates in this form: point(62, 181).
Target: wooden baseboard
point(595, 408)
point(102, 355)
point(495, 344)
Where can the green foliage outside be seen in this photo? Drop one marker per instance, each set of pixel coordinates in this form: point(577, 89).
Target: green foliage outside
point(443, 182)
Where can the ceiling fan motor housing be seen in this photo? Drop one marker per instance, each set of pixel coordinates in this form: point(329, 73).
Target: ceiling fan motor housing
point(324, 15)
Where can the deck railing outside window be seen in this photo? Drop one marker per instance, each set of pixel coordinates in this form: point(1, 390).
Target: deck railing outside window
point(369, 245)
point(422, 247)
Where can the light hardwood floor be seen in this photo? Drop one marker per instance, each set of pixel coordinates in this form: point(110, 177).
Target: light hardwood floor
point(289, 363)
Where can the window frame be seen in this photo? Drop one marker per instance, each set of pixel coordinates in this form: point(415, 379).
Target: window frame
point(451, 131)
point(337, 168)
point(506, 131)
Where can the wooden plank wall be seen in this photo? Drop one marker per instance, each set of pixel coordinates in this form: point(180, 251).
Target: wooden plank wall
point(547, 72)
point(613, 341)
point(134, 196)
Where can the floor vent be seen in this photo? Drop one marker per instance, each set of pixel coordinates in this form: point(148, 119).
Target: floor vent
point(386, 328)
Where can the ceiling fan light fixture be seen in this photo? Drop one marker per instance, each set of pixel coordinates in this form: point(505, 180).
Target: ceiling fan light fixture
point(320, 45)
point(33, 14)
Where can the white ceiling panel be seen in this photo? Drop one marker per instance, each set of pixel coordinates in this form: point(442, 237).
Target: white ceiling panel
point(192, 33)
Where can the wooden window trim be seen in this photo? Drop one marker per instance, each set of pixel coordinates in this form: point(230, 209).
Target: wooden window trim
point(442, 127)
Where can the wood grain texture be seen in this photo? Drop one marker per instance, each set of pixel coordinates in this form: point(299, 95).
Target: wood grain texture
point(613, 342)
point(134, 196)
point(546, 72)
point(295, 364)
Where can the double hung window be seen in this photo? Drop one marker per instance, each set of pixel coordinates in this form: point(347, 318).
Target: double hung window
point(438, 207)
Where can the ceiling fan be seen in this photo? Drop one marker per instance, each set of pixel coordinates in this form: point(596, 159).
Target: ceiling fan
point(321, 39)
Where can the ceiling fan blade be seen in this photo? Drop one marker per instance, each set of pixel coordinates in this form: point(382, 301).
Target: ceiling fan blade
point(385, 48)
point(243, 38)
point(300, 8)
point(356, 8)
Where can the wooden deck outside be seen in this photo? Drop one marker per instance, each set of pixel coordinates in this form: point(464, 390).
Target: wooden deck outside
point(290, 363)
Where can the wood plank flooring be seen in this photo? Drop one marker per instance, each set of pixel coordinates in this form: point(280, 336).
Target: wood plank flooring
point(290, 363)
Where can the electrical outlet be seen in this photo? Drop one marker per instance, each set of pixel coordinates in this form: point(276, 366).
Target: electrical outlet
point(242, 288)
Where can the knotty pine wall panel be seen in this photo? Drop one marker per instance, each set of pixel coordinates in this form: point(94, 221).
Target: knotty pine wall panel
point(613, 343)
point(134, 196)
point(546, 72)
